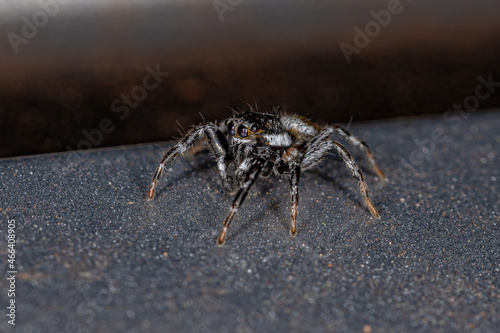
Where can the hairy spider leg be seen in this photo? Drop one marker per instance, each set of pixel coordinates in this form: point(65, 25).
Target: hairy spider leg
point(250, 177)
point(363, 147)
point(217, 143)
point(294, 190)
point(356, 172)
point(318, 149)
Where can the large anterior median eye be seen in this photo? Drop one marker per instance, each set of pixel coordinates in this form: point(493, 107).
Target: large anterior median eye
point(242, 131)
point(230, 128)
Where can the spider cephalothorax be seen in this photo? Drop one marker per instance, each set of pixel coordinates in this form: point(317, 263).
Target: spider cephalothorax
point(258, 144)
point(258, 128)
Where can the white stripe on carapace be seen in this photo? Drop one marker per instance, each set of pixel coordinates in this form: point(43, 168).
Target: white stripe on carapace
point(278, 140)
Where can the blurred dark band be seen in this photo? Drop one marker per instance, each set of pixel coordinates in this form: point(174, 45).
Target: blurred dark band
point(83, 74)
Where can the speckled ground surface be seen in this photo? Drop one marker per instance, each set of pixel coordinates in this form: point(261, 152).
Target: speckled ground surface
point(94, 256)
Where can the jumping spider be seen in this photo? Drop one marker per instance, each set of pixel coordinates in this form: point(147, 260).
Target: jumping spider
point(260, 143)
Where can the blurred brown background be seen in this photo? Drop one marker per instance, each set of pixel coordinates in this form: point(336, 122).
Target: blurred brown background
point(63, 64)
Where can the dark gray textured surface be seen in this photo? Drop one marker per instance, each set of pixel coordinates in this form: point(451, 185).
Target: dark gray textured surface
point(94, 256)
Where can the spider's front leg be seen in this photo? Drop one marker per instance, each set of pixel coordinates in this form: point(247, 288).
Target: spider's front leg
point(294, 189)
point(217, 143)
point(250, 171)
point(290, 165)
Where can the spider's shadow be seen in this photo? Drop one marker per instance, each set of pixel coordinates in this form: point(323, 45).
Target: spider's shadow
point(330, 172)
point(334, 177)
point(142, 183)
point(280, 208)
point(272, 206)
point(341, 172)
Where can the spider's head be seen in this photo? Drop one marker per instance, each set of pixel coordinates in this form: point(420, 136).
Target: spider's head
point(254, 127)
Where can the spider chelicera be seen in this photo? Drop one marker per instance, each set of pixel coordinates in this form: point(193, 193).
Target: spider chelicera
point(260, 143)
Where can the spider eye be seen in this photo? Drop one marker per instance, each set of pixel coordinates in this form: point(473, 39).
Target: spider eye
point(254, 128)
point(242, 131)
point(230, 128)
